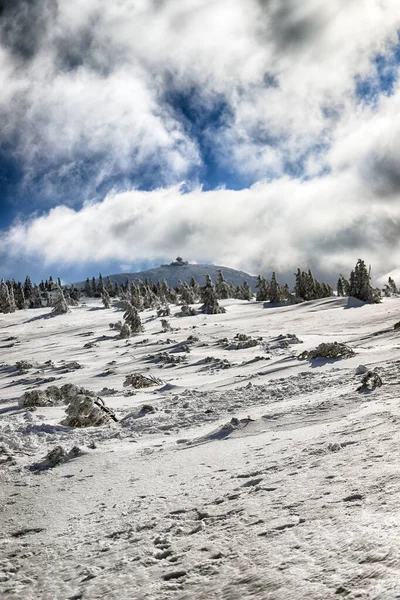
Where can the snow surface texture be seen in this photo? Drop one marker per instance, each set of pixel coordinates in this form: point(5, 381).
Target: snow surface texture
point(242, 473)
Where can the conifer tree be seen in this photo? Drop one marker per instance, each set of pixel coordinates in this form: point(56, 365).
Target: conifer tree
point(221, 287)
point(5, 302)
point(209, 298)
point(246, 291)
point(187, 293)
point(13, 306)
point(19, 296)
point(36, 298)
point(132, 318)
point(392, 286)
point(274, 290)
point(28, 288)
point(360, 286)
point(262, 289)
point(194, 286)
point(87, 290)
point(60, 303)
point(105, 298)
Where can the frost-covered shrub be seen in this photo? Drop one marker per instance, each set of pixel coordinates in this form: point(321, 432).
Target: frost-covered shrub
point(23, 365)
point(53, 395)
point(137, 380)
point(86, 411)
point(163, 311)
point(164, 357)
point(242, 341)
point(335, 350)
point(186, 311)
point(49, 397)
point(56, 456)
point(165, 325)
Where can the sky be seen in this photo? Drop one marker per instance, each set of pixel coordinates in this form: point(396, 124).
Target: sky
point(260, 135)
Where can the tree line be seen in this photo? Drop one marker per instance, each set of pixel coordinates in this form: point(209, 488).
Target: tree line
point(141, 295)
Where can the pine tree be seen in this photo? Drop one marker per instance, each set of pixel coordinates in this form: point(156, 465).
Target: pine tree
point(28, 288)
point(360, 286)
point(221, 286)
point(60, 304)
point(132, 318)
point(392, 285)
point(93, 288)
point(187, 293)
point(19, 296)
point(35, 300)
point(339, 287)
point(87, 290)
point(246, 291)
point(13, 306)
point(100, 285)
point(194, 286)
point(105, 298)
point(274, 290)
point(209, 299)
point(5, 302)
point(262, 289)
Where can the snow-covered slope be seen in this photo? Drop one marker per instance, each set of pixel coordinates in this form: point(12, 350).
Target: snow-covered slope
point(251, 474)
point(173, 273)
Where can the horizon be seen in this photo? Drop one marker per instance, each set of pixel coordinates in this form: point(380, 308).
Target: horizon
point(262, 136)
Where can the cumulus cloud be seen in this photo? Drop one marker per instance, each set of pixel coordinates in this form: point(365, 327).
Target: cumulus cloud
point(86, 85)
point(322, 224)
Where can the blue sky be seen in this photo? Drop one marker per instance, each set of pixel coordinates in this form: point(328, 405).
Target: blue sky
point(247, 136)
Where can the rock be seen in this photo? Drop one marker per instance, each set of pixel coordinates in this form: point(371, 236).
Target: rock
point(361, 369)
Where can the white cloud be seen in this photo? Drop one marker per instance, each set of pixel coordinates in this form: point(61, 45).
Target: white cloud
point(321, 223)
point(94, 85)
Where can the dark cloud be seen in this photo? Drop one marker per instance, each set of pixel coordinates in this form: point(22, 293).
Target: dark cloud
point(383, 175)
point(23, 25)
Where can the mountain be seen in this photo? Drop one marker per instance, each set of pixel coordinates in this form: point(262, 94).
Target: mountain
point(181, 270)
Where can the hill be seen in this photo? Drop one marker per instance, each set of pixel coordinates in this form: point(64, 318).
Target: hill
point(180, 270)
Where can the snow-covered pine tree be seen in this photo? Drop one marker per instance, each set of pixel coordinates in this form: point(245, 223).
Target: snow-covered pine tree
point(28, 289)
point(60, 303)
point(262, 289)
point(5, 303)
point(13, 306)
point(360, 286)
point(105, 298)
point(19, 296)
point(274, 290)
point(221, 287)
point(392, 285)
point(187, 293)
point(87, 290)
point(132, 318)
point(246, 291)
point(35, 300)
point(194, 286)
point(209, 299)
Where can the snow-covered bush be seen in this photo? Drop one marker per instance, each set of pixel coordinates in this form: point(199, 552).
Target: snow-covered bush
point(335, 350)
point(87, 411)
point(137, 381)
